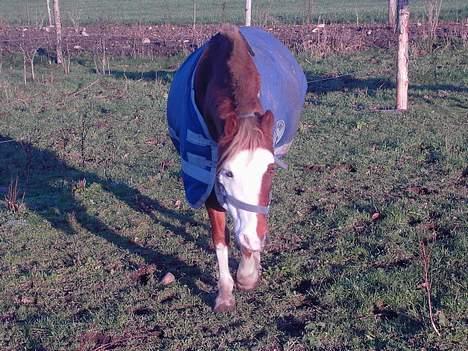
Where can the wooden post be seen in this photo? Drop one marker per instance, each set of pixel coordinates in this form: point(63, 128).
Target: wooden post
point(402, 75)
point(49, 13)
point(58, 31)
point(392, 13)
point(248, 12)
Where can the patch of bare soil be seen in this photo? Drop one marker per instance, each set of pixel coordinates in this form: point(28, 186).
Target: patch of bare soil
point(167, 40)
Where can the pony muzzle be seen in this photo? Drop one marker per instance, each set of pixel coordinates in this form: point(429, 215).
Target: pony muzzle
point(251, 243)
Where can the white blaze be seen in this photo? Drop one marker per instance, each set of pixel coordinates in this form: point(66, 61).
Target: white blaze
point(247, 168)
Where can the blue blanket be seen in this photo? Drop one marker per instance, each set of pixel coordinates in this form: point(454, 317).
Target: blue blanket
point(283, 88)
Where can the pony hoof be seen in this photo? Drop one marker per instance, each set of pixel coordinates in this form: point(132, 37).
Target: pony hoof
point(247, 286)
point(224, 306)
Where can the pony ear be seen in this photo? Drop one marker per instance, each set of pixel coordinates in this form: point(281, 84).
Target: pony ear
point(230, 129)
point(266, 122)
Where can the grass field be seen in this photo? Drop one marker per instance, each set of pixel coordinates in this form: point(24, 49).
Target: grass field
point(34, 12)
point(103, 216)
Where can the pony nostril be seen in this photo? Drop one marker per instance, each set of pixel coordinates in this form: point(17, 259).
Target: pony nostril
point(251, 244)
point(246, 240)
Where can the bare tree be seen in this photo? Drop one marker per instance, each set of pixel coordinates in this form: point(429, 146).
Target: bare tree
point(308, 8)
point(49, 13)
point(58, 30)
point(392, 13)
point(433, 12)
point(194, 14)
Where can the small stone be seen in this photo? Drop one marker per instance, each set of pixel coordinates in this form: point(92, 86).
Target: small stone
point(25, 300)
point(376, 216)
point(168, 279)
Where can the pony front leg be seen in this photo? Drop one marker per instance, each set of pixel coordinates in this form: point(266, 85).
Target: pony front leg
point(248, 272)
point(225, 300)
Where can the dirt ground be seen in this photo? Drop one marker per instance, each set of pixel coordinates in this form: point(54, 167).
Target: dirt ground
point(167, 40)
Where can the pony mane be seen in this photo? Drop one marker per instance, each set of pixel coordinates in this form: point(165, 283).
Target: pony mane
point(241, 133)
point(245, 80)
point(245, 135)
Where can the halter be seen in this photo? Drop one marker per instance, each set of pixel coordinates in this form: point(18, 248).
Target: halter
point(225, 198)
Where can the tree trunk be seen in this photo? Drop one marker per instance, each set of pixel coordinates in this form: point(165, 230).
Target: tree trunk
point(308, 9)
point(248, 12)
point(58, 31)
point(392, 13)
point(194, 14)
point(49, 13)
point(402, 75)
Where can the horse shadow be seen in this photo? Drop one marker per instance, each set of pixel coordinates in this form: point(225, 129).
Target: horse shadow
point(322, 85)
point(41, 172)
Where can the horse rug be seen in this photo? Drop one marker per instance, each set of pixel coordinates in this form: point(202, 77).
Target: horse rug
point(282, 90)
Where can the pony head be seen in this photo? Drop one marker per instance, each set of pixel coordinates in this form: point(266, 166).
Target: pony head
point(245, 175)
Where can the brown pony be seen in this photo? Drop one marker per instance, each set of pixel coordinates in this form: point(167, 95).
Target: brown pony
point(227, 138)
point(227, 87)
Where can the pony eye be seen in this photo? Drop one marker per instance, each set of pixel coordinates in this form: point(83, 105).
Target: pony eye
point(229, 174)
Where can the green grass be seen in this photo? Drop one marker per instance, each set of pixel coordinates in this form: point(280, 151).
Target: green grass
point(80, 266)
point(34, 12)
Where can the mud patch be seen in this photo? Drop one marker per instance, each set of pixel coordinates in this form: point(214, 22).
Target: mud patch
point(170, 40)
point(143, 275)
point(291, 326)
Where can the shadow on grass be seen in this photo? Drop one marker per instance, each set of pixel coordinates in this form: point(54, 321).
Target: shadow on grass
point(42, 171)
point(161, 75)
point(323, 85)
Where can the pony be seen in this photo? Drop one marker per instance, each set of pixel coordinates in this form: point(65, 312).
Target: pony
point(233, 110)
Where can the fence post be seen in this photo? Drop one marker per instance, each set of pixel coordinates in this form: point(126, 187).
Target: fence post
point(248, 12)
point(392, 13)
point(402, 75)
point(58, 31)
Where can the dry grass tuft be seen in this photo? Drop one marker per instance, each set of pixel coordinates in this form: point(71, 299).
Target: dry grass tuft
point(11, 198)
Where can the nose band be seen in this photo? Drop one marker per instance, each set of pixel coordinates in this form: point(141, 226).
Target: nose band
point(225, 198)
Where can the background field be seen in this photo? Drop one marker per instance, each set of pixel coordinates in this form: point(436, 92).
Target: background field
point(101, 215)
point(34, 12)
point(81, 264)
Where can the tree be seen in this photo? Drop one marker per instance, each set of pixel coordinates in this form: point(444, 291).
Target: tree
point(392, 13)
point(49, 13)
point(58, 31)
